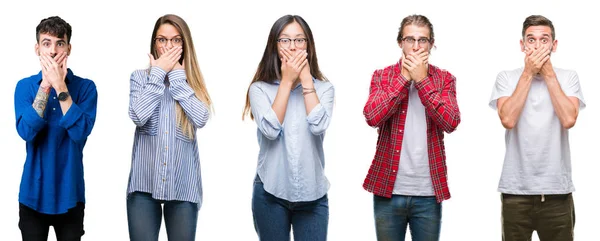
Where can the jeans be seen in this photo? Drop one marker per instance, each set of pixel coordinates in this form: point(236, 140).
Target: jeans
point(67, 226)
point(273, 217)
point(422, 214)
point(552, 216)
point(144, 215)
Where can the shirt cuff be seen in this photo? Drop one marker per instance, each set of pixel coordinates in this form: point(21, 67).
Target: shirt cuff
point(72, 115)
point(33, 119)
point(158, 72)
point(271, 118)
point(316, 115)
point(177, 74)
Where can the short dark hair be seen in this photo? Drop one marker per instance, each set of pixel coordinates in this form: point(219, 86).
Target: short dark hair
point(537, 20)
point(54, 26)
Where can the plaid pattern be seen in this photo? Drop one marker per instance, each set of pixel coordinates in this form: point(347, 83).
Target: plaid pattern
point(386, 110)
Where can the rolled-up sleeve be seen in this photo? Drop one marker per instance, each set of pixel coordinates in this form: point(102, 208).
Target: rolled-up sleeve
point(320, 116)
point(263, 113)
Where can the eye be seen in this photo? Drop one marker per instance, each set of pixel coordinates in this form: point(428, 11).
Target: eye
point(423, 40)
point(300, 40)
point(177, 40)
point(46, 44)
point(162, 40)
point(545, 40)
point(284, 40)
point(531, 40)
point(61, 44)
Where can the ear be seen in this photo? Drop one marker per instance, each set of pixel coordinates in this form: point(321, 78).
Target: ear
point(554, 44)
point(69, 50)
point(37, 49)
point(522, 45)
point(400, 44)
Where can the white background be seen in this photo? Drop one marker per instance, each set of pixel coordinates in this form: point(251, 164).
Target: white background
point(475, 40)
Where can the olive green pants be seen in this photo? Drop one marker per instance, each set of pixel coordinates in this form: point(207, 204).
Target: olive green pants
point(552, 216)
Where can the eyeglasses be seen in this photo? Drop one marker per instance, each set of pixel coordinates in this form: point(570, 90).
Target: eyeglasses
point(298, 42)
point(178, 41)
point(411, 40)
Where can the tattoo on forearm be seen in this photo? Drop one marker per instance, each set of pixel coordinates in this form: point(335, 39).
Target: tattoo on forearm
point(41, 99)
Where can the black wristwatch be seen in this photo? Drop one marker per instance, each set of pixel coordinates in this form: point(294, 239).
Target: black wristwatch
point(63, 96)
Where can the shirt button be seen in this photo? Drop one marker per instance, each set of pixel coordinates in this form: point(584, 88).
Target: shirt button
point(166, 132)
point(164, 179)
point(403, 112)
point(397, 150)
point(166, 148)
point(164, 163)
point(393, 170)
point(400, 131)
point(53, 108)
point(54, 97)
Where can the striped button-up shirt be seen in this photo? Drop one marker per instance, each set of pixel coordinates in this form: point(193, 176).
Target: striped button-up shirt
point(386, 109)
point(165, 162)
point(291, 161)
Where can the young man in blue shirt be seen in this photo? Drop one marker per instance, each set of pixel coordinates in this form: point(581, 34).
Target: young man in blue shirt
point(55, 112)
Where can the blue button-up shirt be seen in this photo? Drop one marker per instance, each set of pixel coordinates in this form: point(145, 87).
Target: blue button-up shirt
point(165, 162)
point(52, 180)
point(291, 160)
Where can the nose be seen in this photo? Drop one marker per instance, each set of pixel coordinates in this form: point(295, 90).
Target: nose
point(53, 50)
point(416, 46)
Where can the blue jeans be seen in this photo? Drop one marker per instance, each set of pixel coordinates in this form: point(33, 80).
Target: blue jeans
point(422, 214)
point(144, 215)
point(273, 217)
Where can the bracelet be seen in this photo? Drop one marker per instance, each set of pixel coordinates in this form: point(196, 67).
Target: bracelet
point(308, 92)
point(308, 88)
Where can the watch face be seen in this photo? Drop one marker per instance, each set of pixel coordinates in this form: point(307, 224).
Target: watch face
point(63, 96)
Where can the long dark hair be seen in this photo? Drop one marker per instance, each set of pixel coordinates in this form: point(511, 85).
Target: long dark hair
point(269, 67)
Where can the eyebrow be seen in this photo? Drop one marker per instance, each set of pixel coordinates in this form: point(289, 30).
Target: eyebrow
point(162, 36)
point(543, 35)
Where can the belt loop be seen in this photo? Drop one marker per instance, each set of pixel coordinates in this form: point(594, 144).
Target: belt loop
point(543, 199)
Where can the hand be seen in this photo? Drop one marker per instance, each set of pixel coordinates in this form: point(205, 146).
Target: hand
point(547, 71)
point(291, 66)
point(178, 65)
point(417, 63)
point(168, 58)
point(54, 70)
point(535, 59)
point(305, 74)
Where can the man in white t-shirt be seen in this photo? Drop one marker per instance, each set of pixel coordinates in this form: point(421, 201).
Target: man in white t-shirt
point(537, 104)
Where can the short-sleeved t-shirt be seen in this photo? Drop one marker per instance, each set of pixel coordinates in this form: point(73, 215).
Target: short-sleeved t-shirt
point(538, 158)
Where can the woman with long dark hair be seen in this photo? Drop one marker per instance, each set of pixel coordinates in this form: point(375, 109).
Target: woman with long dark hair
point(291, 102)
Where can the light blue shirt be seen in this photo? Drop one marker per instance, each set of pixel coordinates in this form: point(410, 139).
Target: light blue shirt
point(165, 162)
point(291, 160)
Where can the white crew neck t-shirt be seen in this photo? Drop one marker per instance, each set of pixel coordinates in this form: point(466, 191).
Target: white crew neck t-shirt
point(538, 158)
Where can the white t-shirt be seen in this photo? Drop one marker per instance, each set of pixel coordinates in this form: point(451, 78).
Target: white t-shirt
point(414, 177)
point(537, 159)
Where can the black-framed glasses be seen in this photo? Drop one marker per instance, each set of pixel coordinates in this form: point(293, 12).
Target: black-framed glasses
point(411, 40)
point(298, 42)
point(177, 41)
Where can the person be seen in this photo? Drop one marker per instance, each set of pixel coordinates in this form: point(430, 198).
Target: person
point(537, 104)
point(55, 112)
point(168, 102)
point(411, 103)
point(292, 103)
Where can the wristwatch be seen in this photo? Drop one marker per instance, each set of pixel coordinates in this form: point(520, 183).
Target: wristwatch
point(63, 96)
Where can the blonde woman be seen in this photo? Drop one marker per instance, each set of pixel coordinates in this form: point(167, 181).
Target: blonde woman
point(168, 102)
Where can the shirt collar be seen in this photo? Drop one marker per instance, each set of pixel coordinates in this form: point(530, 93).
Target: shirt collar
point(68, 79)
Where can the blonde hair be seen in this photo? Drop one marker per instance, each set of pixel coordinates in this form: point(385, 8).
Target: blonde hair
point(192, 70)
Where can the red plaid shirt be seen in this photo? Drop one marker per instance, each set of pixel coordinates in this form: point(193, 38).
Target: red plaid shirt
point(386, 109)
